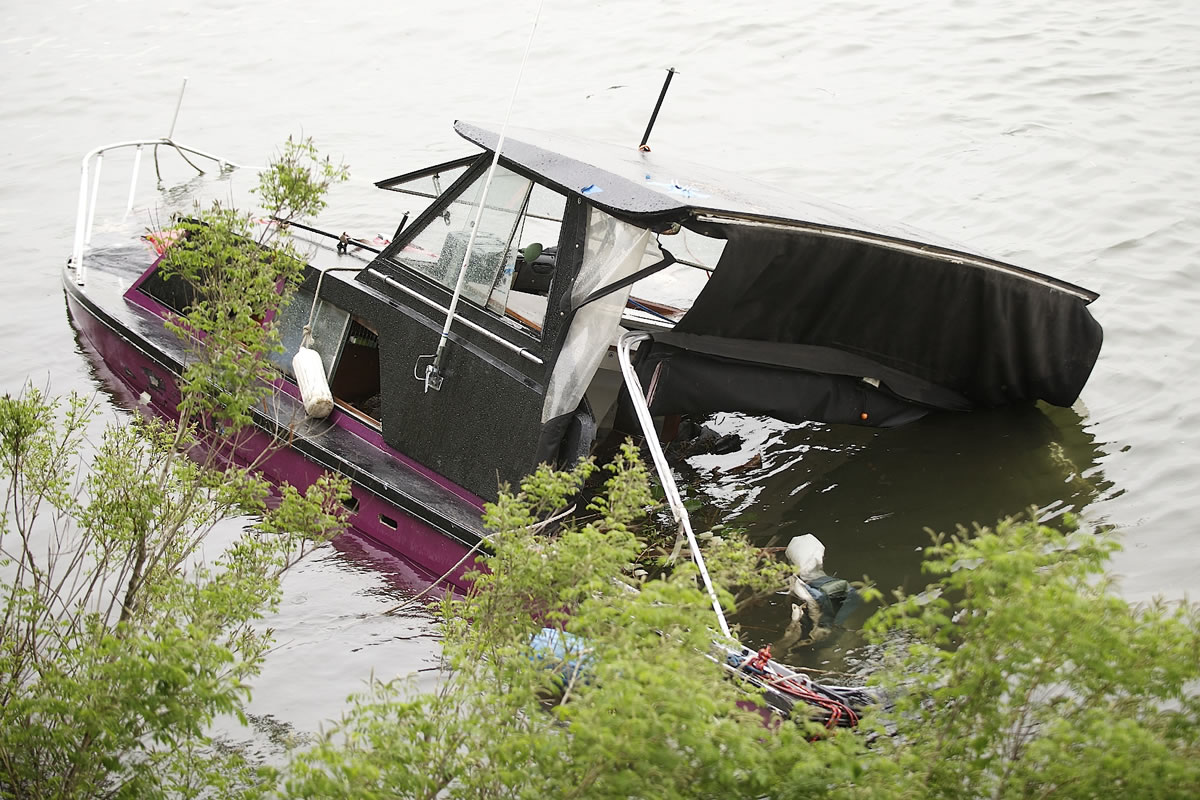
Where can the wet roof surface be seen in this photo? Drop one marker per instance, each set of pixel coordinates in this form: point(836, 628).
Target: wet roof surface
point(627, 181)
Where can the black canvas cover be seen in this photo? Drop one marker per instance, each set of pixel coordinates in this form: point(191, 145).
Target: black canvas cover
point(932, 329)
point(685, 382)
point(808, 288)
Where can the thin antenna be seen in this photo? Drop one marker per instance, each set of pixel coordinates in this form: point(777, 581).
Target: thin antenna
point(171, 133)
point(179, 104)
point(645, 148)
point(433, 371)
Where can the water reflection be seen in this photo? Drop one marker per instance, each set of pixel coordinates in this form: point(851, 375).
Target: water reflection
point(869, 495)
point(399, 580)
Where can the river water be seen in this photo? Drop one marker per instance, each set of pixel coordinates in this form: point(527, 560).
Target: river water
point(1058, 136)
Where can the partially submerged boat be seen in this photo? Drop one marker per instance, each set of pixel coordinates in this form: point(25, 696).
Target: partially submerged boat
point(496, 329)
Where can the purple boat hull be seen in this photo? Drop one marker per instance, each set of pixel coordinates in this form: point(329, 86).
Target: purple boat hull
point(146, 380)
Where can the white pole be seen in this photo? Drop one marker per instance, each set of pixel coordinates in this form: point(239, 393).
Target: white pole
point(432, 372)
point(81, 222)
point(87, 239)
point(137, 162)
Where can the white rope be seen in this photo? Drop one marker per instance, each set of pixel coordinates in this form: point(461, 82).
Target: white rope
point(637, 397)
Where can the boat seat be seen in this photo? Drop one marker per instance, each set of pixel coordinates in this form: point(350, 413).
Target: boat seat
point(534, 276)
point(527, 308)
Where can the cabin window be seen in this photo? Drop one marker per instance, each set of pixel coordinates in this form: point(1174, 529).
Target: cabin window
point(349, 349)
point(438, 250)
point(328, 330)
point(513, 254)
point(427, 184)
point(520, 293)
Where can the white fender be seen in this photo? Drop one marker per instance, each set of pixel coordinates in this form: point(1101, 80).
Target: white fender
point(314, 389)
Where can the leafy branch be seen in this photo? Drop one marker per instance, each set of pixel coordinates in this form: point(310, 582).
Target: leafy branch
point(120, 641)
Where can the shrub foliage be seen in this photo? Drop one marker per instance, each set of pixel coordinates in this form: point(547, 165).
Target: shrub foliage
point(122, 636)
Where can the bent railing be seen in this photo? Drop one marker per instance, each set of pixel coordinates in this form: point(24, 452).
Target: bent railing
point(86, 213)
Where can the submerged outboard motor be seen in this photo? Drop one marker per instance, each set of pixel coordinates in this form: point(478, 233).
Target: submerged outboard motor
point(822, 601)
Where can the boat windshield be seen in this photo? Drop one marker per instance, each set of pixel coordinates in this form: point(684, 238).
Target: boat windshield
point(521, 220)
point(428, 182)
point(329, 325)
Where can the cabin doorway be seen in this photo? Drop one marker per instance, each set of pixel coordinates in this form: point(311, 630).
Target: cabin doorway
point(349, 349)
point(356, 381)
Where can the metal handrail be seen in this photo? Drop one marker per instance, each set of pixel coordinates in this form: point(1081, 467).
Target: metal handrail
point(86, 213)
point(638, 396)
point(482, 331)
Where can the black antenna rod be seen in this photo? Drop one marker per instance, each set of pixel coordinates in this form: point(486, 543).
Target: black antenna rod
point(645, 148)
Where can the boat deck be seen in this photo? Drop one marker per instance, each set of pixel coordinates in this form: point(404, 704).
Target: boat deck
point(342, 442)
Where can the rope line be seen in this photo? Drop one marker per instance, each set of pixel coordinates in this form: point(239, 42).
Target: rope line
point(534, 527)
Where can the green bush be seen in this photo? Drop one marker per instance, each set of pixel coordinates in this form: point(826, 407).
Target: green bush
point(1021, 674)
point(119, 641)
point(1016, 674)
